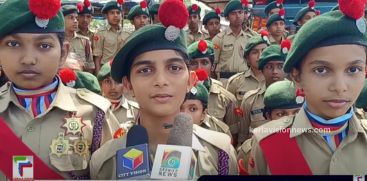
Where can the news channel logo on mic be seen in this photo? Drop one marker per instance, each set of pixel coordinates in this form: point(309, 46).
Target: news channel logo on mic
point(132, 162)
point(22, 168)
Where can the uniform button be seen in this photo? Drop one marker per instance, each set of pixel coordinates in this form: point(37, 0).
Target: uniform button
point(30, 129)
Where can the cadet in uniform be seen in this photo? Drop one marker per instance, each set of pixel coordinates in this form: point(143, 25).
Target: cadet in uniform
point(230, 44)
point(111, 38)
point(246, 26)
point(271, 65)
point(273, 8)
point(252, 78)
point(79, 44)
point(279, 101)
point(60, 127)
point(276, 27)
point(221, 104)
point(85, 17)
point(327, 62)
point(153, 12)
point(196, 104)
point(152, 65)
point(211, 22)
point(124, 109)
point(194, 33)
point(139, 15)
point(304, 15)
point(79, 79)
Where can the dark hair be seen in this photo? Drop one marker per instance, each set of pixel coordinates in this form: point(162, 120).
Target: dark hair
point(61, 37)
point(267, 111)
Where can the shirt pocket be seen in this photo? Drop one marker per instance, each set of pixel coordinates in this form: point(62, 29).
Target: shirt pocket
point(227, 52)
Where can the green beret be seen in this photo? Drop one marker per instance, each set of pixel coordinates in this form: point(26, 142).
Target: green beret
point(331, 28)
point(147, 38)
point(88, 81)
point(194, 51)
point(281, 95)
point(199, 92)
point(253, 42)
point(273, 18)
point(270, 6)
point(104, 72)
point(16, 17)
point(153, 9)
point(69, 9)
point(111, 5)
point(209, 16)
point(362, 98)
point(270, 53)
point(232, 6)
point(137, 11)
point(191, 9)
point(301, 13)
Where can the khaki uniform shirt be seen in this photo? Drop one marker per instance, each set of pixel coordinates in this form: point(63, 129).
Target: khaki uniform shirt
point(126, 111)
point(229, 51)
point(243, 82)
point(221, 105)
point(193, 37)
point(253, 108)
point(205, 144)
point(249, 31)
point(243, 152)
point(39, 133)
point(89, 34)
point(107, 43)
point(274, 42)
point(360, 113)
point(214, 124)
point(348, 159)
point(82, 47)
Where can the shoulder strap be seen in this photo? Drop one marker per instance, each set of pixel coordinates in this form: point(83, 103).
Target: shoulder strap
point(286, 159)
point(97, 130)
point(14, 146)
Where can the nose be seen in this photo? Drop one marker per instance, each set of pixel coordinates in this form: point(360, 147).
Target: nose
point(28, 58)
point(160, 79)
point(338, 84)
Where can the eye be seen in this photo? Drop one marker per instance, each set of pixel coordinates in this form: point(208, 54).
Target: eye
point(280, 114)
point(205, 62)
point(280, 66)
point(145, 70)
point(320, 70)
point(13, 43)
point(193, 109)
point(45, 46)
point(354, 70)
point(175, 68)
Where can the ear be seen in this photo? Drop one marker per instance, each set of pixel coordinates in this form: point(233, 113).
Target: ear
point(127, 86)
point(203, 115)
point(295, 75)
point(191, 81)
point(64, 52)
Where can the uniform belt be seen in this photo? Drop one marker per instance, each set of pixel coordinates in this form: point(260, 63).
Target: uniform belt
point(226, 75)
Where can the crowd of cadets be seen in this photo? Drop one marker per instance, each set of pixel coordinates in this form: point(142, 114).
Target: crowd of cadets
point(231, 82)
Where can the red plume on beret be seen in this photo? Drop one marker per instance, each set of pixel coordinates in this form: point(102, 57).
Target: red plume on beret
point(279, 2)
point(173, 13)
point(352, 8)
point(80, 7)
point(202, 46)
point(282, 13)
point(87, 3)
point(202, 74)
point(285, 46)
point(195, 7)
point(244, 3)
point(120, 2)
point(68, 76)
point(217, 11)
point(311, 4)
point(143, 4)
point(44, 9)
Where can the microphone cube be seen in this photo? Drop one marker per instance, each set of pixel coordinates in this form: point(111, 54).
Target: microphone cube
point(133, 159)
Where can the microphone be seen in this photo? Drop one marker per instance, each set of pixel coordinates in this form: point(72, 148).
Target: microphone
point(132, 162)
point(176, 160)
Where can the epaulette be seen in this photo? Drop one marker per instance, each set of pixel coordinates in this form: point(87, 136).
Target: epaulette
point(133, 103)
point(272, 127)
point(217, 139)
point(246, 146)
point(93, 98)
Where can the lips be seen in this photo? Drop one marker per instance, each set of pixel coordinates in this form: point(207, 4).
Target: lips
point(29, 73)
point(161, 98)
point(337, 103)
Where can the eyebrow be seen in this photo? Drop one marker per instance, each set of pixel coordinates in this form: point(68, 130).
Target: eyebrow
point(322, 62)
point(150, 62)
point(38, 37)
